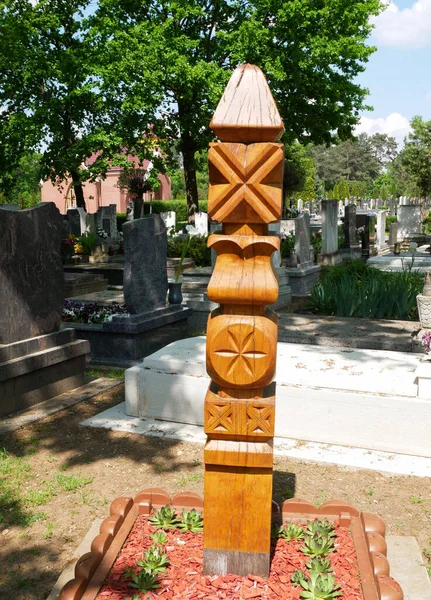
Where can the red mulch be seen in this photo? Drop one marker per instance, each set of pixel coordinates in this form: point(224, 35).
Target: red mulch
point(183, 578)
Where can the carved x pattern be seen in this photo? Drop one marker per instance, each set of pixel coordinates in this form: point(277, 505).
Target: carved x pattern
point(245, 182)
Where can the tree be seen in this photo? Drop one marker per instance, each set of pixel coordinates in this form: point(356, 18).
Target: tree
point(311, 53)
point(384, 148)
point(22, 183)
point(52, 95)
point(353, 160)
point(416, 155)
point(295, 169)
point(138, 181)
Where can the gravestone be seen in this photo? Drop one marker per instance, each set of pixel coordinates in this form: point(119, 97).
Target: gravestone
point(381, 233)
point(369, 236)
point(409, 221)
point(393, 233)
point(32, 279)
point(201, 223)
point(37, 361)
point(349, 226)
point(300, 205)
point(340, 208)
point(145, 274)
point(169, 219)
point(74, 222)
point(329, 226)
point(302, 238)
point(106, 219)
point(13, 207)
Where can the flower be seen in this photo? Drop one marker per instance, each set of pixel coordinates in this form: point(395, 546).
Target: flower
point(426, 341)
point(102, 233)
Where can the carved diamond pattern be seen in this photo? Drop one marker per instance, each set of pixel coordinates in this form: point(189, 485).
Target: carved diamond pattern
point(259, 420)
point(219, 417)
point(245, 182)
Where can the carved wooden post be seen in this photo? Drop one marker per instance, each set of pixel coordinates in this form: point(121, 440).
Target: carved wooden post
point(246, 174)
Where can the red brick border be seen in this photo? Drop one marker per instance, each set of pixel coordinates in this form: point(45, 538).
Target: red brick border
point(368, 531)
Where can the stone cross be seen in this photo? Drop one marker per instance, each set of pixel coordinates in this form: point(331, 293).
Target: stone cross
point(245, 195)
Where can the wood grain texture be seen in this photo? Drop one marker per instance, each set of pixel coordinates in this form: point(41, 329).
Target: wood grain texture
point(247, 111)
point(245, 195)
point(245, 182)
point(249, 490)
point(240, 349)
point(243, 273)
point(239, 416)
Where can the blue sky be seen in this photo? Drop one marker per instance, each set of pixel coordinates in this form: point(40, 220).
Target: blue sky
point(398, 75)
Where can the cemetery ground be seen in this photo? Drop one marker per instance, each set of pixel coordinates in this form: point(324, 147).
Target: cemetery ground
point(58, 477)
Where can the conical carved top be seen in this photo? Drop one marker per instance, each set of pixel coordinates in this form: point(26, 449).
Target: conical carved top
point(247, 111)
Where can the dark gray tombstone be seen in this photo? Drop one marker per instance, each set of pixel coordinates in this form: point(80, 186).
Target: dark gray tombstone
point(145, 273)
point(302, 237)
point(349, 226)
point(368, 246)
point(74, 221)
point(31, 272)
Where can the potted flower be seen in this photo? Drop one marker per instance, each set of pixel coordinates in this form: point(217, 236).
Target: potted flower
point(287, 250)
point(175, 296)
point(103, 235)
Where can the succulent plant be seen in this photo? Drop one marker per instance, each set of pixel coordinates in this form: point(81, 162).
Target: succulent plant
point(154, 560)
point(317, 544)
point(143, 581)
point(191, 521)
point(298, 577)
point(319, 564)
point(165, 518)
point(291, 532)
point(320, 526)
point(320, 586)
point(159, 537)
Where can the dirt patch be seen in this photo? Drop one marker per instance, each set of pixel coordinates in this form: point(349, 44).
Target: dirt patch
point(58, 477)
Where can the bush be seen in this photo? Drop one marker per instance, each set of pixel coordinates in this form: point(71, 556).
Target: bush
point(389, 220)
point(178, 206)
point(121, 218)
point(287, 245)
point(356, 290)
point(197, 251)
point(427, 224)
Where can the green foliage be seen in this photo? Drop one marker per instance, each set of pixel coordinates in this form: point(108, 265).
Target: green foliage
point(356, 290)
point(191, 521)
point(287, 245)
point(319, 564)
point(87, 241)
point(191, 47)
point(320, 586)
point(121, 219)
point(320, 526)
point(298, 577)
point(388, 221)
point(318, 544)
point(178, 206)
point(427, 224)
point(316, 241)
point(291, 532)
point(159, 537)
point(165, 518)
point(22, 184)
point(143, 581)
point(154, 561)
point(416, 156)
point(196, 248)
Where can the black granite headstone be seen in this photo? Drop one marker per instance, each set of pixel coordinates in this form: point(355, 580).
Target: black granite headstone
point(31, 272)
point(74, 219)
point(145, 274)
point(349, 226)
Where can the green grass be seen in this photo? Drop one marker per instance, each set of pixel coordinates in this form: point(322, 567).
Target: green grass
point(110, 373)
point(17, 502)
point(71, 483)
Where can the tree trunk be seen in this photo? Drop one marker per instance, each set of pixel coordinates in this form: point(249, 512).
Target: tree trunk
point(79, 192)
point(191, 184)
point(137, 207)
point(188, 149)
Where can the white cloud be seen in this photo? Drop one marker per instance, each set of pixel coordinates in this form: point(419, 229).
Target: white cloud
point(394, 124)
point(408, 27)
